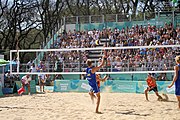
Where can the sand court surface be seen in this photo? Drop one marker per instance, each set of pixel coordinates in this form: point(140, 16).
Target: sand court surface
point(78, 106)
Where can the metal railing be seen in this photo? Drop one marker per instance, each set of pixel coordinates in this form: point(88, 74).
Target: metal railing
point(114, 67)
point(154, 18)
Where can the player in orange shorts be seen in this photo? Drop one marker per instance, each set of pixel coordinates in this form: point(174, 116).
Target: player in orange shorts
point(151, 82)
point(99, 79)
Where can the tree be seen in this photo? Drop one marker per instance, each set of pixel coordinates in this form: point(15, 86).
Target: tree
point(18, 21)
point(50, 14)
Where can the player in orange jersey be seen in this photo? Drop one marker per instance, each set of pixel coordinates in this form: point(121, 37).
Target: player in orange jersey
point(151, 82)
point(99, 79)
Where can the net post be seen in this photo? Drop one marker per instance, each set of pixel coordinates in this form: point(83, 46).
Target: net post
point(10, 62)
point(18, 62)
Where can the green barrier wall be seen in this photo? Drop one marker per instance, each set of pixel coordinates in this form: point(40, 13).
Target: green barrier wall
point(32, 86)
point(120, 25)
point(1, 93)
point(109, 86)
point(122, 77)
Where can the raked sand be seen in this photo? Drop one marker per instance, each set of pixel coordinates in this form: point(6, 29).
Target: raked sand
point(78, 106)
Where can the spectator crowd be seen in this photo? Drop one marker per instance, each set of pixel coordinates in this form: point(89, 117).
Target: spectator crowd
point(122, 59)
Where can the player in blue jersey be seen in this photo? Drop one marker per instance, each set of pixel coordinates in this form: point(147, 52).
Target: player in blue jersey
point(176, 80)
point(91, 77)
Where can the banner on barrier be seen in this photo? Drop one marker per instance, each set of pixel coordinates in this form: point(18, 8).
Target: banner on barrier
point(110, 86)
point(71, 86)
point(119, 86)
point(1, 93)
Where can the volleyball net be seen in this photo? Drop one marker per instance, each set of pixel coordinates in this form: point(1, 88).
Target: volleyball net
point(129, 61)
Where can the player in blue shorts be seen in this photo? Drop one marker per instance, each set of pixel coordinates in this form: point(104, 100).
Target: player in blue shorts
point(91, 77)
point(176, 80)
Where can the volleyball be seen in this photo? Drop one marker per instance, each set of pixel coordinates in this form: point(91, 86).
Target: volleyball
point(97, 42)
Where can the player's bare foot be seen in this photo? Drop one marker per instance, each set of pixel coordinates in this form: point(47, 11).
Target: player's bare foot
point(159, 99)
point(165, 97)
point(99, 112)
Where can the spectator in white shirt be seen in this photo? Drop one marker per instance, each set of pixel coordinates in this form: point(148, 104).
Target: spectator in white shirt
point(42, 80)
point(26, 82)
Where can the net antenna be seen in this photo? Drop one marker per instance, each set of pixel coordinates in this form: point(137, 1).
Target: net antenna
point(98, 48)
